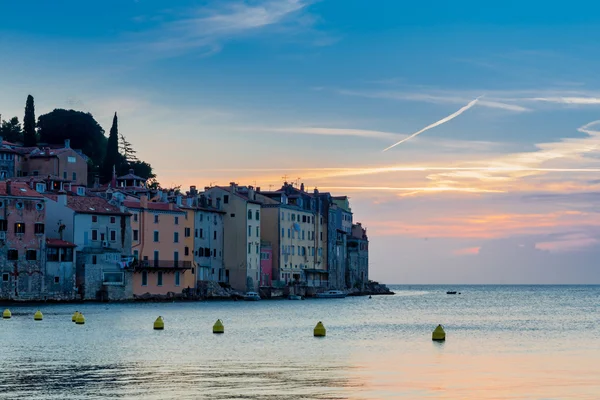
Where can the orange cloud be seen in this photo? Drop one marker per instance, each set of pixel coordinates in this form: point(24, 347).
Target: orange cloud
point(467, 251)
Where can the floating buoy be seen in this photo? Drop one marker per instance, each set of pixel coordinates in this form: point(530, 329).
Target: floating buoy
point(38, 316)
point(74, 317)
point(80, 320)
point(319, 329)
point(6, 314)
point(159, 324)
point(218, 327)
point(439, 334)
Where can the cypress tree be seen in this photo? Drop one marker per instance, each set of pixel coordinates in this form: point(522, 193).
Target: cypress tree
point(112, 151)
point(29, 136)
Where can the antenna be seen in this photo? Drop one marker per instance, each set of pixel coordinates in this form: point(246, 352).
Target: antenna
point(284, 178)
point(270, 187)
point(298, 181)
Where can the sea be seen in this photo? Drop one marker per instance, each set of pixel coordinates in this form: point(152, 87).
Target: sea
point(502, 342)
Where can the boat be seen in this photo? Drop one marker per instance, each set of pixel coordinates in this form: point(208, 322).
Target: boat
point(251, 296)
point(331, 294)
point(451, 292)
point(294, 297)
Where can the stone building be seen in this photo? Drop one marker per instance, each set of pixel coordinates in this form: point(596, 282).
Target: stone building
point(22, 244)
point(357, 271)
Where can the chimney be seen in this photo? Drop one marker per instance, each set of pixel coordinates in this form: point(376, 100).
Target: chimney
point(144, 200)
point(67, 143)
point(251, 193)
point(316, 191)
point(178, 200)
point(302, 187)
point(62, 199)
point(193, 190)
point(202, 201)
point(9, 187)
point(233, 187)
point(258, 189)
point(96, 181)
point(189, 201)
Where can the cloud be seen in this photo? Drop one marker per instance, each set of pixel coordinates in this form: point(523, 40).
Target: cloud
point(467, 251)
point(207, 28)
point(568, 100)
point(437, 123)
point(333, 132)
point(568, 243)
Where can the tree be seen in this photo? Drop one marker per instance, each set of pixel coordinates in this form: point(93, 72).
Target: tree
point(111, 159)
point(11, 130)
point(127, 150)
point(83, 130)
point(29, 135)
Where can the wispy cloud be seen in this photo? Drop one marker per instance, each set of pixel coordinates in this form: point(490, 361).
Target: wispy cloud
point(467, 251)
point(206, 28)
point(437, 123)
point(334, 132)
point(567, 100)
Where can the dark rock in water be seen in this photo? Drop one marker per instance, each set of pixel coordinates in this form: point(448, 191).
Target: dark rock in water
point(372, 288)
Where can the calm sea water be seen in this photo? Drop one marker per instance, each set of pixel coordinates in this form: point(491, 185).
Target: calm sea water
point(503, 342)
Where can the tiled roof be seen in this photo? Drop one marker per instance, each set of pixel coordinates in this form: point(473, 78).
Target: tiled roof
point(18, 189)
point(130, 176)
point(238, 194)
point(24, 150)
point(48, 152)
point(153, 206)
point(89, 205)
point(59, 243)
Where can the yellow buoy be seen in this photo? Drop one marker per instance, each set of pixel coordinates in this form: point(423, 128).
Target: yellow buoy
point(159, 323)
point(6, 314)
point(439, 334)
point(74, 317)
point(319, 329)
point(218, 327)
point(38, 316)
point(80, 320)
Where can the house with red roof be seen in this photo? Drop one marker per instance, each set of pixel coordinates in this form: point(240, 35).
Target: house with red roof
point(101, 234)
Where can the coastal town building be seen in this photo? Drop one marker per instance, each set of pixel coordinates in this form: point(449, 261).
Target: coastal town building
point(242, 229)
point(158, 244)
point(22, 246)
point(100, 234)
point(266, 263)
point(357, 272)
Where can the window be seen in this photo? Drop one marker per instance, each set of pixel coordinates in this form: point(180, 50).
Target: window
point(226, 199)
point(40, 187)
point(144, 278)
point(304, 218)
point(156, 258)
point(201, 217)
point(31, 255)
point(135, 217)
point(176, 258)
point(193, 270)
point(156, 236)
point(196, 233)
point(215, 235)
point(5, 277)
point(249, 231)
point(257, 249)
point(289, 233)
point(186, 251)
point(12, 254)
point(249, 248)
point(19, 227)
point(113, 278)
point(159, 280)
point(65, 175)
point(102, 236)
point(175, 237)
point(206, 252)
point(214, 253)
point(257, 231)
point(249, 214)
point(71, 159)
point(3, 225)
point(302, 235)
point(201, 252)
point(135, 234)
point(57, 279)
point(232, 215)
point(136, 254)
point(113, 235)
point(94, 218)
point(39, 228)
point(94, 260)
point(321, 235)
point(187, 232)
point(293, 250)
point(282, 232)
point(321, 220)
point(156, 219)
point(74, 176)
point(80, 191)
point(201, 233)
point(256, 215)
point(113, 220)
point(176, 220)
point(177, 278)
point(52, 254)
point(293, 217)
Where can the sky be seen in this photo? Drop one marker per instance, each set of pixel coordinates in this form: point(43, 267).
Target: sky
point(209, 92)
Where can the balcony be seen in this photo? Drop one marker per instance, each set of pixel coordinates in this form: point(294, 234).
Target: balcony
point(173, 265)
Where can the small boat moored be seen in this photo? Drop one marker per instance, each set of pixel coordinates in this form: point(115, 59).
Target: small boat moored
point(294, 297)
point(450, 292)
point(331, 294)
point(251, 296)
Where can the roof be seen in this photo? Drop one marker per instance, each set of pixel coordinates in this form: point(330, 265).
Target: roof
point(24, 150)
point(238, 194)
point(153, 206)
point(18, 189)
point(131, 176)
point(59, 243)
point(89, 205)
point(40, 178)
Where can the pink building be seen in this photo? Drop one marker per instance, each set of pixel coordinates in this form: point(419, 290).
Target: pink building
point(266, 263)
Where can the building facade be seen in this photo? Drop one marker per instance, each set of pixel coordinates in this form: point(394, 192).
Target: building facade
point(242, 234)
point(65, 163)
point(357, 272)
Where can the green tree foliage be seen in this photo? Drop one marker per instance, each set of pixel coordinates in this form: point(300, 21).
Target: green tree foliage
point(11, 130)
point(83, 130)
point(127, 150)
point(111, 158)
point(29, 134)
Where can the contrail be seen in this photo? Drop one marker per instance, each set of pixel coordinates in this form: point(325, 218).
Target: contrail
point(440, 122)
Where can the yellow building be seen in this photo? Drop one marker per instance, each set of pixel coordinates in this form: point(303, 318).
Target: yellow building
point(161, 237)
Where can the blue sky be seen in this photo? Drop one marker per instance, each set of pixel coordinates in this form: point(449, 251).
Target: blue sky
point(214, 91)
